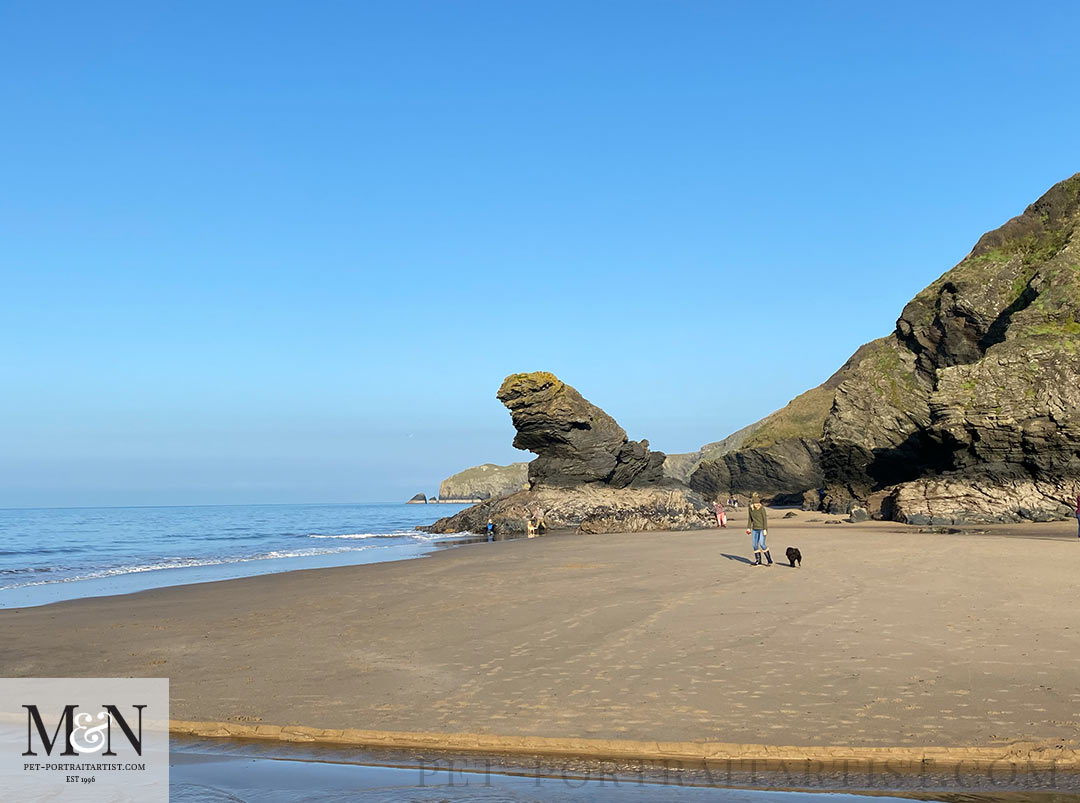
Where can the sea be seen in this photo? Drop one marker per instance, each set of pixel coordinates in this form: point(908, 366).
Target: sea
point(54, 554)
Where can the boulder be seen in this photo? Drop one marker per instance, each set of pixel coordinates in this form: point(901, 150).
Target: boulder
point(811, 499)
point(837, 500)
point(982, 498)
point(858, 515)
point(574, 440)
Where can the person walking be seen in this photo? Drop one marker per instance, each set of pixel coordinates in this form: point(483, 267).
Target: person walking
point(757, 526)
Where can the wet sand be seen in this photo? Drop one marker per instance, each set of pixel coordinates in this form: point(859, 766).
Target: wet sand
point(887, 637)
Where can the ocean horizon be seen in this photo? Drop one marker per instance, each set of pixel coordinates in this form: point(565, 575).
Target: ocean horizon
point(52, 554)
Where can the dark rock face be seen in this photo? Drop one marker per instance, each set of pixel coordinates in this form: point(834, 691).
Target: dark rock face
point(575, 441)
point(970, 410)
point(588, 508)
point(419, 499)
point(712, 479)
point(787, 467)
point(587, 475)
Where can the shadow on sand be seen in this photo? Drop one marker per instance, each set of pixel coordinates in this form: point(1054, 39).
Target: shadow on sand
point(748, 562)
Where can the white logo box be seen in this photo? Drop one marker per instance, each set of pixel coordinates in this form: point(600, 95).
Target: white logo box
point(84, 739)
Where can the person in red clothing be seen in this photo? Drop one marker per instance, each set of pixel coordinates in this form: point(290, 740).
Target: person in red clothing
point(721, 514)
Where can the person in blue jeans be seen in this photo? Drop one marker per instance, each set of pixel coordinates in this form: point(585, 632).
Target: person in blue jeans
point(757, 525)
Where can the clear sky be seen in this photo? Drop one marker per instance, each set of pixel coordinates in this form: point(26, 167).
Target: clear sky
point(286, 252)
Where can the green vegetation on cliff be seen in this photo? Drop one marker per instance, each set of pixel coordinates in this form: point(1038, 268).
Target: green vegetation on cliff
point(803, 417)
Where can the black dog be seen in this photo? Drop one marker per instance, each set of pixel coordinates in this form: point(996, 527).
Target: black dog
point(794, 556)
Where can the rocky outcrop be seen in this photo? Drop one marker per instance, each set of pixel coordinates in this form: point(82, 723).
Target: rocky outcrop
point(981, 497)
point(488, 481)
point(786, 468)
point(587, 474)
point(574, 440)
point(780, 456)
point(680, 467)
point(419, 499)
point(587, 508)
point(970, 410)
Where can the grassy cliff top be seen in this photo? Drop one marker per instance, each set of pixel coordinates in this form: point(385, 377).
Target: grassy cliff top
point(803, 417)
point(997, 273)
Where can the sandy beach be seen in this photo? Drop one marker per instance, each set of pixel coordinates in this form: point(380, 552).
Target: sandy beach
point(887, 637)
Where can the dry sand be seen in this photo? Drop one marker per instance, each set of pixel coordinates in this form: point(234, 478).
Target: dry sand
point(886, 637)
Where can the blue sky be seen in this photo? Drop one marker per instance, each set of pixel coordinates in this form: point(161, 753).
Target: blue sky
point(286, 252)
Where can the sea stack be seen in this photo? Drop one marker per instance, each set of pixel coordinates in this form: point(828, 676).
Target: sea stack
point(575, 442)
point(587, 475)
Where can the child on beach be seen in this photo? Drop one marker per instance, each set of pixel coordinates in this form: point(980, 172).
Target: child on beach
point(721, 514)
point(757, 525)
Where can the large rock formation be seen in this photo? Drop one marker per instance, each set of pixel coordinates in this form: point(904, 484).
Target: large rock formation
point(779, 456)
point(587, 474)
point(575, 441)
point(488, 481)
point(588, 508)
point(783, 470)
point(970, 410)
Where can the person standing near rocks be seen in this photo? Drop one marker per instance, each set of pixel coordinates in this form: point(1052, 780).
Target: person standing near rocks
point(757, 526)
point(1078, 515)
point(721, 514)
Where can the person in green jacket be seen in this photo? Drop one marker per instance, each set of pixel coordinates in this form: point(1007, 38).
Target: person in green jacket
point(757, 525)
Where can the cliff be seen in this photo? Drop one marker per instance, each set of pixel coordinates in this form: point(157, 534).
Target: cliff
point(969, 411)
